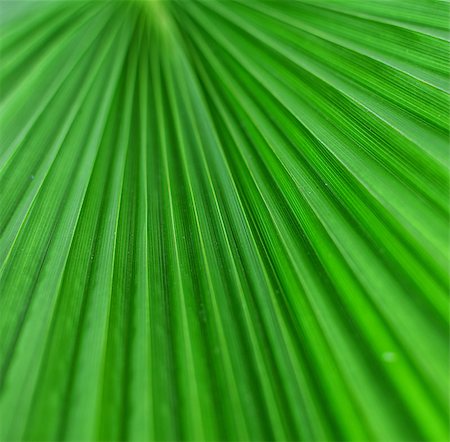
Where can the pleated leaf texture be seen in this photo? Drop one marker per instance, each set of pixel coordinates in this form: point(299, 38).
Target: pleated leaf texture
point(224, 220)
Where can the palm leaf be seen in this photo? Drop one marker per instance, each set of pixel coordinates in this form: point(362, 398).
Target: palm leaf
point(224, 220)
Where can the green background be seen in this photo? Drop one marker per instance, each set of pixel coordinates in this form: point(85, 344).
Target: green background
point(224, 220)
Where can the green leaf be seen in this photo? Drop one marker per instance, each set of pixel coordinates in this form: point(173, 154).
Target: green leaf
point(224, 220)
